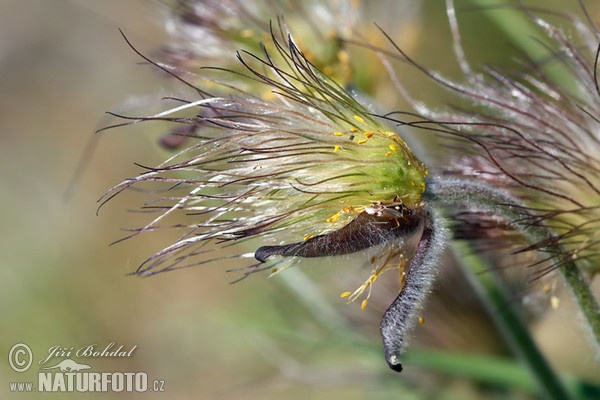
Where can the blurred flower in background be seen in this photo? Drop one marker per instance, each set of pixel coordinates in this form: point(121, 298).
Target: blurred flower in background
point(284, 150)
point(534, 131)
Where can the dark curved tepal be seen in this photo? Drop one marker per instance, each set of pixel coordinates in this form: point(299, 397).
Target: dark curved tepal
point(370, 228)
point(402, 314)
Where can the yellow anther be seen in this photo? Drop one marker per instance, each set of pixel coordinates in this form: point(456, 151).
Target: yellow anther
point(364, 303)
point(247, 33)
point(345, 294)
point(393, 147)
point(359, 119)
point(333, 218)
point(389, 153)
point(269, 96)
point(336, 148)
point(308, 237)
point(421, 321)
point(362, 141)
point(338, 133)
point(354, 129)
point(369, 134)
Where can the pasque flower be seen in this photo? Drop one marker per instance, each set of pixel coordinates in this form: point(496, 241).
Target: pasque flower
point(297, 159)
point(210, 32)
point(283, 161)
point(536, 135)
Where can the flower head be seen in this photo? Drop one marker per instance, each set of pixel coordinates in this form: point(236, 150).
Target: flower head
point(302, 159)
point(536, 135)
point(210, 32)
point(284, 161)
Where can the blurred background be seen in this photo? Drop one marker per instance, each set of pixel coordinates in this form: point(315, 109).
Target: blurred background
point(62, 64)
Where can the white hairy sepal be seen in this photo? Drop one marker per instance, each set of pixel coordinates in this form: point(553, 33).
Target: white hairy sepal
point(403, 313)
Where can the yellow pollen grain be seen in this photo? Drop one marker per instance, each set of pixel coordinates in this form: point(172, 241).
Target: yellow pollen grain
point(336, 148)
point(345, 294)
point(393, 147)
point(362, 141)
point(338, 133)
point(333, 218)
point(247, 33)
point(389, 153)
point(268, 96)
point(369, 134)
point(359, 119)
point(354, 129)
point(364, 303)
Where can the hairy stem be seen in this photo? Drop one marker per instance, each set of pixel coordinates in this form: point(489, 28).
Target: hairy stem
point(460, 193)
point(402, 313)
point(451, 193)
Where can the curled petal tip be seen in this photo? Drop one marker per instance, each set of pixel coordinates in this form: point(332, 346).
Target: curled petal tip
point(394, 363)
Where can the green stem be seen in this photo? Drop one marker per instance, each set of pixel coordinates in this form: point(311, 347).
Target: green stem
point(453, 193)
point(580, 288)
point(490, 370)
point(511, 325)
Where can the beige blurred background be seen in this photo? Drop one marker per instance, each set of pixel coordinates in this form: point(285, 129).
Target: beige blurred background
point(62, 64)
